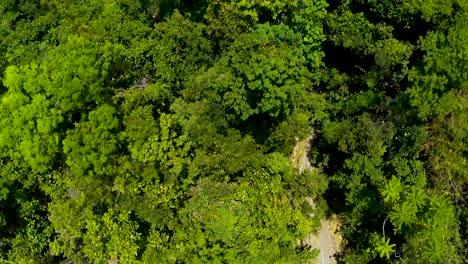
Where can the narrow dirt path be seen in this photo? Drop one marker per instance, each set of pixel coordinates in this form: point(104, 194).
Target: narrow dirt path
point(326, 239)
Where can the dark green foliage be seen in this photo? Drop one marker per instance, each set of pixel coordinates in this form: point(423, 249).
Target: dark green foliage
point(159, 131)
point(264, 72)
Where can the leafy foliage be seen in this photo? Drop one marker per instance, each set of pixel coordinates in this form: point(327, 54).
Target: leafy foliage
point(159, 131)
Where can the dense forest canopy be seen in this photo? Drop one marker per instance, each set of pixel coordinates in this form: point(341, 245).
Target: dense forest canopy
point(159, 131)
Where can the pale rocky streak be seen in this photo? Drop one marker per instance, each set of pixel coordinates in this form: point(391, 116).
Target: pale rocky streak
point(326, 239)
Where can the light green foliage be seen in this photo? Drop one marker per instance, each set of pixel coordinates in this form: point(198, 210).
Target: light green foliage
point(112, 237)
point(161, 131)
point(436, 240)
point(166, 146)
point(392, 190)
point(154, 141)
point(435, 86)
point(229, 18)
point(404, 215)
point(82, 233)
point(425, 219)
point(157, 248)
point(41, 98)
point(140, 126)
point(233, 237)
point(384, 248)
point(28, 129)
point(74, 74)
point(90, 145)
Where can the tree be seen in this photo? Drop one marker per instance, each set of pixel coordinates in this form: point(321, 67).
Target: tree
point(264, 72)
point(263, 236)
point(229, 19)
point(384, 248)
